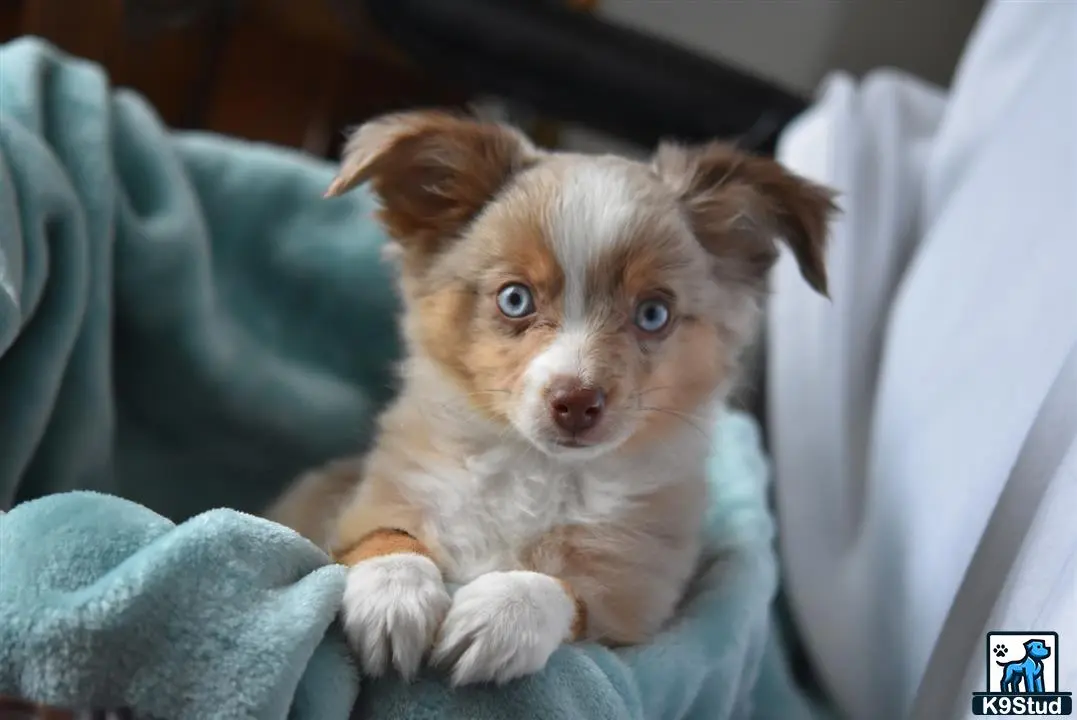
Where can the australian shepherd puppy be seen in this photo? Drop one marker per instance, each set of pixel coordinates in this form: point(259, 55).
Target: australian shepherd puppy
point(573, 324)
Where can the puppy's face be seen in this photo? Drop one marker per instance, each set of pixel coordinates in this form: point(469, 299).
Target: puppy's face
point(587, 302)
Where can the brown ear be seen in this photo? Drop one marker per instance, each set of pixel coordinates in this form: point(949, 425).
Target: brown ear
point(737, 204)
point(433, 171)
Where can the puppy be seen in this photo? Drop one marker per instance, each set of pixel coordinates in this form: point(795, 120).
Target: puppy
point(572, 324)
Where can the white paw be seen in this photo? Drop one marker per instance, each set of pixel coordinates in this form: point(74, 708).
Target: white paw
point(504, 625)
point(392, 608)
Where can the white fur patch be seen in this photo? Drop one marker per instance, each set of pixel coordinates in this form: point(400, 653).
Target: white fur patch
point(487, 508)
point(504, 625)
point(391, 611)
point(565, 356)
point(596, 208)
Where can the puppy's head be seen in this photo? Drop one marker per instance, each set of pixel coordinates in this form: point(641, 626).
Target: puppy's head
point(588, 302)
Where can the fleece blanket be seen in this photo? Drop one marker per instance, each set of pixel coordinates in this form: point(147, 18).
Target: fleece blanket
point(185, 325)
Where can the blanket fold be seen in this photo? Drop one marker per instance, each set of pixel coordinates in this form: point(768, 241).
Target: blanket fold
point(217, 617)
point(186, 325)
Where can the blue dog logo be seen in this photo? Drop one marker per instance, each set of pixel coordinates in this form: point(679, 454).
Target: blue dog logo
point(1026, 672)
point(1022, 676)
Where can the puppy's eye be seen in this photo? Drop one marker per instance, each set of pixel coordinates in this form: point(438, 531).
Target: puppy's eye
point(653, 315)
point(515, 301)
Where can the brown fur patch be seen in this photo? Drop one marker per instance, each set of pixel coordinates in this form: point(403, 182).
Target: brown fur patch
point(380, 542)
point(646, 268)
point(689, 366)
point(496, 365)
point(579, 620)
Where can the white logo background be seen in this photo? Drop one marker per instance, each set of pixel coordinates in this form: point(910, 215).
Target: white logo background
point(1015, 650)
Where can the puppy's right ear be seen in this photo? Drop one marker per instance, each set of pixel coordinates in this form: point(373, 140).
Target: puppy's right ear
point(432, 171)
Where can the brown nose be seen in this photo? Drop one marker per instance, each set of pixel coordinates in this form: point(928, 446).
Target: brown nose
point(576, 408)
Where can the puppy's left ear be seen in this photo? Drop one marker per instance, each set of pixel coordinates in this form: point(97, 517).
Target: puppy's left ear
point(739, 203)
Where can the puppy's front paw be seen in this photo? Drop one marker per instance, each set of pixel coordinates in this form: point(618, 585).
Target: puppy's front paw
point(504, 625)
point(392, 608)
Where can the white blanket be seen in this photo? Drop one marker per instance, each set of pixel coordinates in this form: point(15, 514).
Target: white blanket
point(924, 422)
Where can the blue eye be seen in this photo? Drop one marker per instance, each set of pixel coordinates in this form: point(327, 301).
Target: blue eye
point(652, 316)
point(515, 301)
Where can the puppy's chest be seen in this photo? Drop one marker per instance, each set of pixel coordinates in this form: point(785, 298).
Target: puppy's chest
point(487, 510)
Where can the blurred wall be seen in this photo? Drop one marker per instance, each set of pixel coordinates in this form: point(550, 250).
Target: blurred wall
point(796, 42)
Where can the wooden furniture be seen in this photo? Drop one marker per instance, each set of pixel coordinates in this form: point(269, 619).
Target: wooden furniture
point(282, 71)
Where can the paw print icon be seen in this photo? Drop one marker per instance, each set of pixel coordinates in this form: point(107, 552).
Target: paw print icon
point(999, 650)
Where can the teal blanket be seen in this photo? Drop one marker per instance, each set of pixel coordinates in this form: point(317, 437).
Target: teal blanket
point(185, 324)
